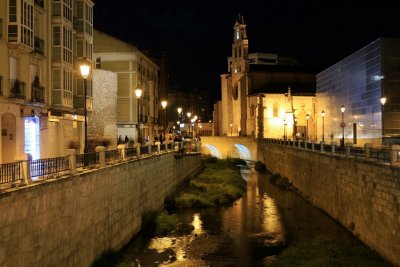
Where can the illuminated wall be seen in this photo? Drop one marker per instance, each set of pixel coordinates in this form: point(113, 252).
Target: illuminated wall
point(358, 82)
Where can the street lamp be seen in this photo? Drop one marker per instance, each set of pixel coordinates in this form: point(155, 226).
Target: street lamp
point(189, 114)
point(85, 70)
point(295, 129)
point(323, 130)
point(164, 106)
point(307, 117)
point(383, 101)
point(180, 118)
point(284, 130)
point(342, 109)
point(231, 128)
point(138, 93)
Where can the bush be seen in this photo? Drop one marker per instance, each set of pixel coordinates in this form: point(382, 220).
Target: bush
point(260, 167)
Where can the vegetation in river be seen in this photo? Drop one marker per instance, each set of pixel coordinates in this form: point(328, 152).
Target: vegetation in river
point(260, 167)
point(158, 223)
point(327, 252)
point(219, 183)
point(280, 181)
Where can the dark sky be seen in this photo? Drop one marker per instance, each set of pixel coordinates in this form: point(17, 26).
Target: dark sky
point(198, 40)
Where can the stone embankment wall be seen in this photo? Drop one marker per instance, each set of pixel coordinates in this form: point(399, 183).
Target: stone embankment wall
point(363, 196)
point(71, 221)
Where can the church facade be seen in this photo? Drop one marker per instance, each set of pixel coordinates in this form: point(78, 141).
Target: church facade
point(264, 95)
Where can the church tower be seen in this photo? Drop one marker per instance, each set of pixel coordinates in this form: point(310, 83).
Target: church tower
point(239, 68)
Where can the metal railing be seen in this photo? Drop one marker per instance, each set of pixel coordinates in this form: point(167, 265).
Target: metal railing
point(87, 160)
point(37, 94)
point(49, 166)
point(53, 167)
point(112, 155)
point(39, 45)
point(382, 154)
point(10, 172)
point(17, 89)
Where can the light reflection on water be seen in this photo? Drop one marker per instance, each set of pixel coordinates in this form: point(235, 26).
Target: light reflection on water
point(253, 229)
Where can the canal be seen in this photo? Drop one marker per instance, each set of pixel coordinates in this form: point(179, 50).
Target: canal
point(250, 232)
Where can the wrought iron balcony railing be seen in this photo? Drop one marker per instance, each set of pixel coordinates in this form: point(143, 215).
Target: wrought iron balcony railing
point(39, 45)
point(37, 94)
point(17, 89)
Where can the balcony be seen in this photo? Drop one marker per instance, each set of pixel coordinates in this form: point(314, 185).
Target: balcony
point(17, 89)
point(39, 3)
point(39, 45)
point(37, 94)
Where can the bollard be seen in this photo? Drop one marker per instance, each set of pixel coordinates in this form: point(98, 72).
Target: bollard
point(102, 155)
point(299, 143)
point(333, 145)
point(313, 145)
point(322, 146)
point(149, 149)
point(348, 148)
point(158, 147)
point(394, 155)
point(26, 168)
point(122, 147)
point(72, 160)
point(305, 144)
point(137, 145)
point(367, 148)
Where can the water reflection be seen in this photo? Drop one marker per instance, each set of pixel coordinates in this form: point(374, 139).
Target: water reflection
point(254, 228)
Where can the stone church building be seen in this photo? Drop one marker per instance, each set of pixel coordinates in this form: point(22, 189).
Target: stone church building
point(264, 95)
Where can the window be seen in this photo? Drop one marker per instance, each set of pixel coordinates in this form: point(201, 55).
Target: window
point(27, 25)
point(12, 11)
point(56, 86)
point(56, 8)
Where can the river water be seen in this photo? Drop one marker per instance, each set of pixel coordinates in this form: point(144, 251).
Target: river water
point(251, 232)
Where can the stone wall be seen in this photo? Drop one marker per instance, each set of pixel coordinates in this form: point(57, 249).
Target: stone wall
point(363, 196)
point(102, 123)
point(71, 221)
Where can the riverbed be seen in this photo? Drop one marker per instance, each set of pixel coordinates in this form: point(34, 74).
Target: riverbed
point(250, 232)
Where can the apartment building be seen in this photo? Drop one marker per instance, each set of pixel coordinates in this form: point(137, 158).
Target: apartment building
point(137, 118)
point(42, 45)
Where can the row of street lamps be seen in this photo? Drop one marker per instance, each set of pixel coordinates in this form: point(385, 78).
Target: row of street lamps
point(342, 124)
point(189, 114)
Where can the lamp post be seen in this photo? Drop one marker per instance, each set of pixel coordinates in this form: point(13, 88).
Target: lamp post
point(342, 109)
point(85, 70)
point(180, 118)
point(295, 129)
point(307, 117)
point(284, 130)
point(323, 121)
point(189, 114)
point(383, 101)
point(164, 106)
point(138, 93)
point(231, 128)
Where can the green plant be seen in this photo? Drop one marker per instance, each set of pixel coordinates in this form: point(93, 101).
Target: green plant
point(260, 167)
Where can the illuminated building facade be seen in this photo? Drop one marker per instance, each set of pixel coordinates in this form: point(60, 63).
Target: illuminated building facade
point(42, 44)
point(264, 95)
point(358, 82)
point(134, 69)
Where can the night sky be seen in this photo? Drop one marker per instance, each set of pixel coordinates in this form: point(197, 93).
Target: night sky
point(198, 41)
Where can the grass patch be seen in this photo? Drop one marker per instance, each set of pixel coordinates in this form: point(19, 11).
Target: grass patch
point(326, 252)
point(158, 223)
point(219, 183)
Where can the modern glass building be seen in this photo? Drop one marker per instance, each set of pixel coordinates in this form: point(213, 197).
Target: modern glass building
point(358, 82)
